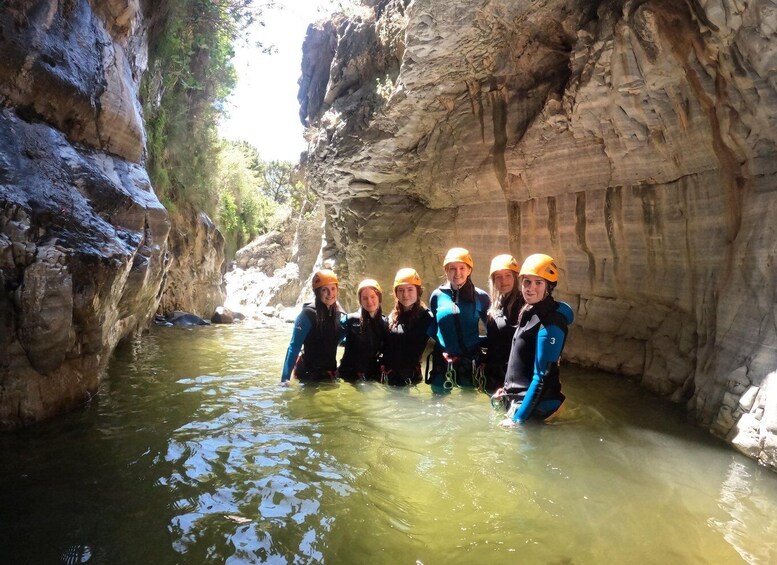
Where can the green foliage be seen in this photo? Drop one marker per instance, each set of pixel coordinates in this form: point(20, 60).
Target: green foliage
point(190, 77)
point(244, 210)
point(251, 191)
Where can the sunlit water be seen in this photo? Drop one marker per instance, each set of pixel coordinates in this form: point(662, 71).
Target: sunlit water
point(193, 453)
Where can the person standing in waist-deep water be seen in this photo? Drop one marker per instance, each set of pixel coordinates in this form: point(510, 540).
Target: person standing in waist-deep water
point(532, 389)
point(407, 335)
point(317, 331)
point(506, 302)
point(458, 307)
point(364, 333)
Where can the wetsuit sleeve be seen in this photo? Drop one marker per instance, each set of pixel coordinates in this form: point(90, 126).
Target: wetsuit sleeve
point(302, 326)
point(431, 330)
point(550, 342)
point(344, 327)
point(485, 304)
point(566, 311)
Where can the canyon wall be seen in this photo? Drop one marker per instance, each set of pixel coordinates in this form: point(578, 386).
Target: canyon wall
point(83, 238)
point(634, 141)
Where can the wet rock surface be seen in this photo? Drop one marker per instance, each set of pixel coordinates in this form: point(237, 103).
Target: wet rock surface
point(633, 141)
point(82, 235)
point(272, 273)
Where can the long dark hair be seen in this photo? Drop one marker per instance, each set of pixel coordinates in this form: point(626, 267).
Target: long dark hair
point(327, 314)
point(406, 317)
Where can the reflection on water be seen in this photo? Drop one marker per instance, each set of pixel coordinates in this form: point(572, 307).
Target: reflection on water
point(193, 453)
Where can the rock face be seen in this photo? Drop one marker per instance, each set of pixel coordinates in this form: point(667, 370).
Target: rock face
point(82, 235)
point(632, 140)
point(194, 279)
point(272, 271)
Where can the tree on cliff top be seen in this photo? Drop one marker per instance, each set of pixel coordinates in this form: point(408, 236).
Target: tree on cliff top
point(190, 77)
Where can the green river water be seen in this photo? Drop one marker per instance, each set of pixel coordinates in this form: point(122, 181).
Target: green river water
point(193, 453)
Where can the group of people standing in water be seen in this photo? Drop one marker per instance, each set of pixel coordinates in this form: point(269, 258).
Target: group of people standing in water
point(516, 361)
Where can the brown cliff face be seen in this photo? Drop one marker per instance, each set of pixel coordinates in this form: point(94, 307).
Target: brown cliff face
point(633, 141)
point(82, 235)
point(194, 278)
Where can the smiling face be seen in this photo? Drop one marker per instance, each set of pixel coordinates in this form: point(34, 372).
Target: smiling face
point(407, 295)
point(328, 294)
point(533, 288)
point(369, 300)
point(457, 273)
point(504, 281)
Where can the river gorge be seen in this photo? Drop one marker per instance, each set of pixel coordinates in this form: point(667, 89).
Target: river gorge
point(632, 140)
point(192, 452)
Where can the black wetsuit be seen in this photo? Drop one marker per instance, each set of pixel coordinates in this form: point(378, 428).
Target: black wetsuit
point(499, 337)
point(532, 382)
point(405, 344)
point(318, 342)
point(363, 345)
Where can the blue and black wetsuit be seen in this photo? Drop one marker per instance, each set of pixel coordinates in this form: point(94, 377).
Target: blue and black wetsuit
point(364, 337)
point(405, 344)
point(456, 333)
point(499, 338)
point(320, 339)
point(532, 382)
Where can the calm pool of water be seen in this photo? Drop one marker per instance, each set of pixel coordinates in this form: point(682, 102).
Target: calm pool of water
point(193, 453)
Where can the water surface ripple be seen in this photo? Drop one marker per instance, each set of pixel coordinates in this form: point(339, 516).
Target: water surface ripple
point(193, 453)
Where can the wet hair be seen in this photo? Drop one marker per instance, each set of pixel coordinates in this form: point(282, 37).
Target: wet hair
point(327, 314)
point(401, 316)
point(502, 304)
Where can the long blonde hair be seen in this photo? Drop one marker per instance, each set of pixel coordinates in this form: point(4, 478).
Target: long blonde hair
point(503, 303)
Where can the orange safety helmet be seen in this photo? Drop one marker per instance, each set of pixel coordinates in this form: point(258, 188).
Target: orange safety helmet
point(540, 265)
point(503, 262)
point(407, 275)
point(458, 255)
point(369, 283)
point(324, 277)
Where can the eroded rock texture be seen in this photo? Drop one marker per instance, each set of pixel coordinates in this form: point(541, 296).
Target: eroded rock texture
point(194, 279)
point(634, 141)
point(82, 235)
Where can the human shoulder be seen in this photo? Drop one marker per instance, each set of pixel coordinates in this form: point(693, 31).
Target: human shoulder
point(483, 297)
point(308, 311)
point(552, 315)
point(566, 311)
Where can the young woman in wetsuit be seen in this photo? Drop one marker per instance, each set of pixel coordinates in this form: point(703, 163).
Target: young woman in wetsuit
point(364, 333)
point(532, 389)
point(318, 330)
point(458, 307)
point(407, 336)
point(506, 302)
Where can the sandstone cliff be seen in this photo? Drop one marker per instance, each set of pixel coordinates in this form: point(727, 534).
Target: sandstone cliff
point(632, 140)
point(194, 277)
point(83, 238)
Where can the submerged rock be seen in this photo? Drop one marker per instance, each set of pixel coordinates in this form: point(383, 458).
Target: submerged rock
point(178, 318)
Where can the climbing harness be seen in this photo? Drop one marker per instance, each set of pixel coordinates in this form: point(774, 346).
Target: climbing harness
point(450, 375)
point(479, 376)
